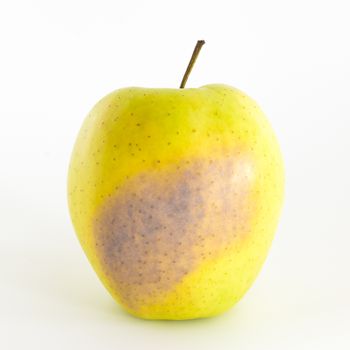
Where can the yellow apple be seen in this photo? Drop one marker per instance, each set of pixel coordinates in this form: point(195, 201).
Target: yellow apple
point(175, 196)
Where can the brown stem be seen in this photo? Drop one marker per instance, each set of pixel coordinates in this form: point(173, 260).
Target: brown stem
point(194, 56)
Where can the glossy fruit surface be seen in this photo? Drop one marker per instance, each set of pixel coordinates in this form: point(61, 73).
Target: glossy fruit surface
point(175, 196)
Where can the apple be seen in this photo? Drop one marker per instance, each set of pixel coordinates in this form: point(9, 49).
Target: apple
point(175, 196)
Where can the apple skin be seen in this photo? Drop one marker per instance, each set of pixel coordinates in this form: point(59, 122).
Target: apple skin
point(175, 196)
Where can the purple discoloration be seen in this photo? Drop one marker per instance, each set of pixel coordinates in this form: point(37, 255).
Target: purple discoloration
point(160, 225)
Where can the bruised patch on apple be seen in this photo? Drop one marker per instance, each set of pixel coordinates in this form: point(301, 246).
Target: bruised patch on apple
point(161, 224)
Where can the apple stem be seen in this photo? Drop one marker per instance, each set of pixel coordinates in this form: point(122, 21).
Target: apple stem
point(194, 56)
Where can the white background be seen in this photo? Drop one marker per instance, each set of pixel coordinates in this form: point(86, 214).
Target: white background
point(57, 58)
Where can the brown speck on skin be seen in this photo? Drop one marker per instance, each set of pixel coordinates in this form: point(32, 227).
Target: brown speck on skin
point(174, 228)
